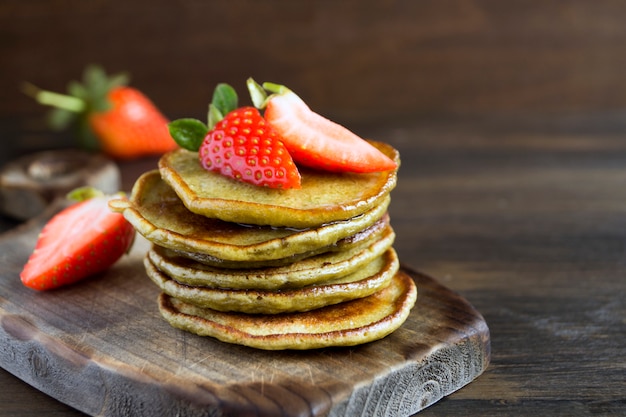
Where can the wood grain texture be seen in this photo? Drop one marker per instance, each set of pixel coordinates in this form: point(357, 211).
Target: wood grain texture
point(355, 61)
point(103, 348)
point(525, 218)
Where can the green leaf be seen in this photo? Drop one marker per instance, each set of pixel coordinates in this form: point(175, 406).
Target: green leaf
point(95, 78)
point(85, 136)
point(224, 98)
point(76, 89)
point(118, 80)
point(97, 84)
point(60, 119)
point(215, 115)
point(257, 94)
point(188, 133)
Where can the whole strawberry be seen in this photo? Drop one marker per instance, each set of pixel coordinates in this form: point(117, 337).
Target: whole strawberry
point(80, 241)
point(118, 120)
point(239, 145)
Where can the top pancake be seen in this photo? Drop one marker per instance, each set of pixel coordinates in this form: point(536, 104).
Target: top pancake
point(157, 213)
point(325, 197)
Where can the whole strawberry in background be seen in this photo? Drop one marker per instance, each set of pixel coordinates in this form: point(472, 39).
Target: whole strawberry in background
point(82, 240)
point(111, 117)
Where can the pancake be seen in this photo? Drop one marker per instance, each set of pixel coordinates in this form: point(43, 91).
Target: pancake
point(157, 213)
point(325, 197)
point(345, 324)
point(373, 277)
point(358, 240)
point(270, 268)
point(308, 271)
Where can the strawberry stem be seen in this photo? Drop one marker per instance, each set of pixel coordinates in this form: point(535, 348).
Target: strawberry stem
point(275, 88)
point(84, 193)
point(49, 98)
point(258, 92)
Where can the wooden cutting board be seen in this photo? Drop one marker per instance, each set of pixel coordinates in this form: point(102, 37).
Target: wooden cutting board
point(102, 347)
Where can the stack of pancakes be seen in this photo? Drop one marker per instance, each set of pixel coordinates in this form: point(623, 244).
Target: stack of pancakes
point(272, 269)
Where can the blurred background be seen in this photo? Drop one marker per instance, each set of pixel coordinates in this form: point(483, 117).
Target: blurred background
point(364, 63)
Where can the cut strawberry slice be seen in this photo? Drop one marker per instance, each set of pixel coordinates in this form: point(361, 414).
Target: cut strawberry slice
point(82, 240)
point(312, 139)
point(238, 143)
point(244, 147)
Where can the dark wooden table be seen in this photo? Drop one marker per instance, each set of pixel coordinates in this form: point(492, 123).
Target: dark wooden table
point(527, 220)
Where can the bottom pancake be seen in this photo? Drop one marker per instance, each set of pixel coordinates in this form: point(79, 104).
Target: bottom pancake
point(345, 324)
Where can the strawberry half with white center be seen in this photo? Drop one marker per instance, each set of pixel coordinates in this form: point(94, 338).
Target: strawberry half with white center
point(240, 145)
point(81, 240)
point(312, 139)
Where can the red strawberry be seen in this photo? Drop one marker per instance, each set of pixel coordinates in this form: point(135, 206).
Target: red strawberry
point(133, 127)
point(121, 121)
point(312, 139)
point(81, 240)
point(244, 147)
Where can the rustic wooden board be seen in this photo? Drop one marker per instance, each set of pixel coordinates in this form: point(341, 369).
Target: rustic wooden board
point(103, 348)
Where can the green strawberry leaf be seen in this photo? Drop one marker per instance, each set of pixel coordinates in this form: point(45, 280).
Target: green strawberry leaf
point(257, 94)
point(224, 98)
point(60, 119)
point(223, 102)
point(188, 133)
point(118, 80)
point(96, 83)
point(84, 135)
point(215, 115)
point(76, 89)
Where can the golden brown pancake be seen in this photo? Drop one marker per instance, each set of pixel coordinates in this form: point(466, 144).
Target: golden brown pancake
point(373, 277)
point(157, 213)
point(312, 270)
point(325, 197)
point(358, 240)
point(345, 324)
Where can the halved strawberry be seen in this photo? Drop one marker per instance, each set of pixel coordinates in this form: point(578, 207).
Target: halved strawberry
point(237, 143)
point(81, 240)
point(244, 147)
point(312, 139)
